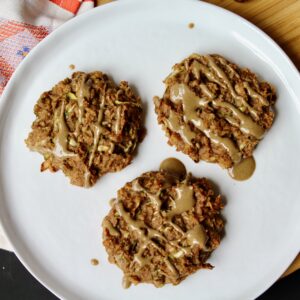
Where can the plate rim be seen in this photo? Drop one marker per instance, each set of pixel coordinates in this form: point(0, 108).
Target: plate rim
point(72, 22)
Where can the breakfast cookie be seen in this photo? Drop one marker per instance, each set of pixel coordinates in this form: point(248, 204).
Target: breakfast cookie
point(163, 226)
point(215, 111)
point(86, 126)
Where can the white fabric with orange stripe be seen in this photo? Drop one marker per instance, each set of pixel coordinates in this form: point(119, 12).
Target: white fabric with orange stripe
point(43, 12)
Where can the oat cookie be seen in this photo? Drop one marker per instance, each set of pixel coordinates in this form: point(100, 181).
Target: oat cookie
point(163, 227)
point(215, 111)
point(86, 126)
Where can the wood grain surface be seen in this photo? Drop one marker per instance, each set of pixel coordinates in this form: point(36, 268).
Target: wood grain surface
point(280, 19)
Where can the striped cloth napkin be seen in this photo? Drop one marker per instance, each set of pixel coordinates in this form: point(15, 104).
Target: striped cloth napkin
point(23, 24)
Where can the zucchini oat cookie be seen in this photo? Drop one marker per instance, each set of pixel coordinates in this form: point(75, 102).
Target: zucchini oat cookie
point(163, 227)
point(215, 111)
point(86, 126)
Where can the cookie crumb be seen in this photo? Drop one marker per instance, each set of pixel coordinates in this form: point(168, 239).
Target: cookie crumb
point(191, 25)
point(72, 67)
point(94, 262)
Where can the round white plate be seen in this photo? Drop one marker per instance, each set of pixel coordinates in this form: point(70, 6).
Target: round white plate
point(55, 227)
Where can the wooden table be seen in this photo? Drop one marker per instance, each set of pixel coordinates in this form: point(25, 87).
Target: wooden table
point(280, 19)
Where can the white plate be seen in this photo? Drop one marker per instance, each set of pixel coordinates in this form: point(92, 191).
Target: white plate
point(55, 227)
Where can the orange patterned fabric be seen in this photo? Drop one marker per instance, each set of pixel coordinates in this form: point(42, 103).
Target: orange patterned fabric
point(18, 38)
point(69, 5)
